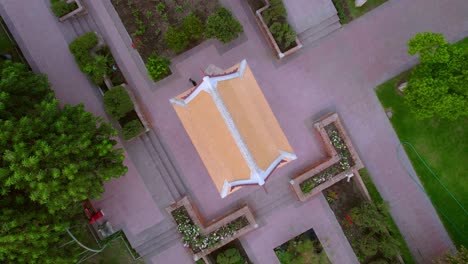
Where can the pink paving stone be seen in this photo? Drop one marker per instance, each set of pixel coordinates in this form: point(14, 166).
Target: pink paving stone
point(176, 254)
point(124, 200)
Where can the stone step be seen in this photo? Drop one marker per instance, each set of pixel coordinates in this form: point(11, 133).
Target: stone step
point(153, 231)
point(75, 25)
point(161, 170)
point(167, 161)
point(319, 27)
point(324, 32)
point(84, 24)
point(159, 243)
point(91, 23)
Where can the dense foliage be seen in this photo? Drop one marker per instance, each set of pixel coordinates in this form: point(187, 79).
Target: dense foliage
point(81, 47)
point(192, 26)
point(223, 26)
point(275, 17)
point(369, 221)
point(132, 129)
point(119, 106)
point(61, 7)
point(158, 67)
point(302, 250)
point(96, 66)
point(51, 158)
point(117, 102)
point(438, 86)
point(176, 39)
point(283, 33)
point(230, 256)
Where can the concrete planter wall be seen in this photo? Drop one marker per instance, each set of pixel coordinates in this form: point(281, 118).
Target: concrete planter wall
point(333, 159)
point(269, 37)
point(207, 228)
point(81, 10)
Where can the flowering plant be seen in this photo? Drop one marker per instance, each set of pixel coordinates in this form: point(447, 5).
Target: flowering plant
point(193, 238)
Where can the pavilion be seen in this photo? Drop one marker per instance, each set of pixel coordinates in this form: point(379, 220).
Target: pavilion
point(233, 129)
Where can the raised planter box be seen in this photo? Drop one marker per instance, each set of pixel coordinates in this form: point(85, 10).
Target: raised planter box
point(130, 115)
point(80, 10)
point(335, 168)
point(269, 37)
point(215, 225)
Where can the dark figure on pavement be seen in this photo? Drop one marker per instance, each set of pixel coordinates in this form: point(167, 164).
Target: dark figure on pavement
point(194, 83)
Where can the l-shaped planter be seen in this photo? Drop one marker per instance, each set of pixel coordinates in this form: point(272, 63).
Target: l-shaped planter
point(269, 37)
point(80, 10)
point(215, 225)
point(334, 159)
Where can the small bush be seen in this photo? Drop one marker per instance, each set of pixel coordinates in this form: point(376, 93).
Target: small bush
point(117, 102)
point(230, 256)
point(307, 187)
point(81, 47)
point(158, 67)
point(132, 129)
point(98, 68)
point(223, 26)
point(176, 39)
point(283, 34)
point(275, 13)
point(369, 220)
point(192, 26)
point(61, 8)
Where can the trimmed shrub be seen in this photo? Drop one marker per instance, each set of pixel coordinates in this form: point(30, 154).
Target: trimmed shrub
point(81, 47)
point(98, 68)
point(275, 13)
point(61, 8)
point(223, 26)
point(158, 67)
point(192, 26)
point(230, 256)
point(132, 129)
point(283, 34)
point(117, 102)
point(177, 40)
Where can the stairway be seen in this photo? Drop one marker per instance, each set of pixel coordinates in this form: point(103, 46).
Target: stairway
point(319, 31)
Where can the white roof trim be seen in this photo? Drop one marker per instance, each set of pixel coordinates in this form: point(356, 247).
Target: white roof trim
point(209, 85)
point(226, 188)
point(287, 155)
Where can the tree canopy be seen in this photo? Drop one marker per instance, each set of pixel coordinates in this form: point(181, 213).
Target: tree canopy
point(438, 86)
point(51, 158)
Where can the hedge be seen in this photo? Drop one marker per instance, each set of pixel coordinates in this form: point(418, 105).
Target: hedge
point(132, 129)
point(117, 102)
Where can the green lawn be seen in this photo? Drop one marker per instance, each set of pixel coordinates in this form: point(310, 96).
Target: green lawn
point(443, 145)
point(392, 227)
point(115, 253)
point(347, 11)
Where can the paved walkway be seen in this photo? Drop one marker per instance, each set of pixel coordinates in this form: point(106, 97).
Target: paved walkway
point(337, 74)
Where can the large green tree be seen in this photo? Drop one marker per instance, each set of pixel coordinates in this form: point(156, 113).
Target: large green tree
point(51, 158)
point(438, 86)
